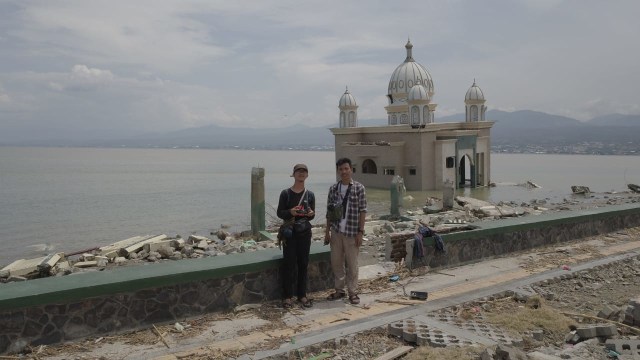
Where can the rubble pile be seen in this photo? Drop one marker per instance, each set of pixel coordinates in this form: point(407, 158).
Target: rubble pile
point(148, 248)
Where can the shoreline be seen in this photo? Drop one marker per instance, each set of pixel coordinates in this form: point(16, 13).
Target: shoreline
point(142, 249)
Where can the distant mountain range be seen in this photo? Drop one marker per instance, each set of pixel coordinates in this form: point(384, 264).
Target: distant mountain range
point(513, 132)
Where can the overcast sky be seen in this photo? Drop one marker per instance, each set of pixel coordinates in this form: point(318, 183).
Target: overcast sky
point(107, 68)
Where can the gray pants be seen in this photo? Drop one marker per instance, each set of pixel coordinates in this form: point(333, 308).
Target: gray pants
point(344, 256)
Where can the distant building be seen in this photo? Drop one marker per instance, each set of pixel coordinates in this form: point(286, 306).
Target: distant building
point(412, 145)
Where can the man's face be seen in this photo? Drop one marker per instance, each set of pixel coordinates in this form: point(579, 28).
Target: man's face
point(301, 174)
point(345, 172)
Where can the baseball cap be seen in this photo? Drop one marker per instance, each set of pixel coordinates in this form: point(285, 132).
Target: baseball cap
point(299, 167)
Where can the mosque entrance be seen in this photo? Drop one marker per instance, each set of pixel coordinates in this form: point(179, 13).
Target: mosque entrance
point(466, 172)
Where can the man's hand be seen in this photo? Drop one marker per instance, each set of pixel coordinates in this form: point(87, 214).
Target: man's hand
point(359, 237)
point(327, 237)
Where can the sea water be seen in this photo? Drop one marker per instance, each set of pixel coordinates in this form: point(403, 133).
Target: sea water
point(70, 199)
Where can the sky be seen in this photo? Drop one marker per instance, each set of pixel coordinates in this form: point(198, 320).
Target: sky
point(100, 69)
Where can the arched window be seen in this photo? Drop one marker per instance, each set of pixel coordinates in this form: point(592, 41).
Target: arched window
point(394, 119)
point(474, 113)
point(369, 167)
point(425, 115)
point(352, 119)
point(343, 123)
point(404, 119)
point(415, 115)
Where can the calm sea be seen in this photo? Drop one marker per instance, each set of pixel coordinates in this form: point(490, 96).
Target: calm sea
point(69, 199)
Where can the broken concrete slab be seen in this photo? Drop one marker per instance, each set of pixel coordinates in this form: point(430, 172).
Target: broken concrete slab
point(195, 239)
point(45, 266)
point(86, 264)
point(155, 246)
point(24, 267)
point(111, 251)
point(138, 246)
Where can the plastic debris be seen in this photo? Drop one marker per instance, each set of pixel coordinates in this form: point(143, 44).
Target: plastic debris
point(394, 278)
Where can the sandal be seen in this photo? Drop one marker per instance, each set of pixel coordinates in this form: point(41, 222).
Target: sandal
point(286, 304)
point(306, 302)
point(354, 299)
point(335, 295)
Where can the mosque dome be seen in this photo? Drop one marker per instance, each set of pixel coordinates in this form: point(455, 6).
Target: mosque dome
point(347, 99)
point(408, 74)
point(418, 93)
point(474, 93)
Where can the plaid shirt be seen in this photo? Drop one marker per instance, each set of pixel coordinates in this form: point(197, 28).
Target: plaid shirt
point(357, 203)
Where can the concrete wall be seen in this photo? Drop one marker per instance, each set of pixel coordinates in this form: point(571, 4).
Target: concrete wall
point(53, 310)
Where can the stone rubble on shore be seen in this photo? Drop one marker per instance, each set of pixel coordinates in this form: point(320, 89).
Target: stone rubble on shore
point(154, 248)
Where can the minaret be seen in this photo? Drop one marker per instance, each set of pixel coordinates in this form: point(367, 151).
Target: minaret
point(474, 104)
point(348, 110)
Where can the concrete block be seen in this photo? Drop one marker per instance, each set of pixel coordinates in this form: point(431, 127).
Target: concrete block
point(586, 332)
point(609, 312)
point(102, 261)
point(155, 246)
point(87, 257)
point(85, 264)
point(195, 239)
point(111, 250)
point(572, 338)
point(625, 347)
point(138, 246)
point(606, 330)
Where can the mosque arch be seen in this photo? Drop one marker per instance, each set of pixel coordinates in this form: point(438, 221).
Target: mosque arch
point(343, 122)
point(425, 115)
point(466, 171)
point(369, 167)
point(404, 119)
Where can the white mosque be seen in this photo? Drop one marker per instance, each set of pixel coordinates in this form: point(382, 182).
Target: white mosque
point(426, 154)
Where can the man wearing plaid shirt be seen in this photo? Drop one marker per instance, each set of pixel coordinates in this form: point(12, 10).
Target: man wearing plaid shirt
point(345, 235)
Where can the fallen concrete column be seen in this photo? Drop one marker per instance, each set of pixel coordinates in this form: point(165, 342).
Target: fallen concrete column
point(111, 251)
point(124, 252)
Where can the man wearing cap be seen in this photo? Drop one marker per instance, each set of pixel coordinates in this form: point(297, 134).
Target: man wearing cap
point(345, 232)
point(296, 204)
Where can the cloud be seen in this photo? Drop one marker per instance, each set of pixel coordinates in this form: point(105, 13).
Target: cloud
point(116, 67)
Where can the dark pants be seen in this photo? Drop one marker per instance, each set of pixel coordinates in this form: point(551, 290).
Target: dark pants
point(295, 253)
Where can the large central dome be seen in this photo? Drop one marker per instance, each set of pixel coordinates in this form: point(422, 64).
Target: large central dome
point(408, 74)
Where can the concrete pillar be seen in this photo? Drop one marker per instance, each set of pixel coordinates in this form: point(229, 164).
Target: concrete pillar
point(396, 189)
point(257, 201)
point(447, 195)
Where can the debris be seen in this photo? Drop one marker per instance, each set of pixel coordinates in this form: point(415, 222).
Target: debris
point(394, 278)
point(395, 353)
point(178, 327)
point(566, 267)
point(160, 335)
point(419, 295)
point(578, 189)
point(634, 187)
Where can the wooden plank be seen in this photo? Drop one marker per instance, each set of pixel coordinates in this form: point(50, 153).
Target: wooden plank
point(395, 353)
